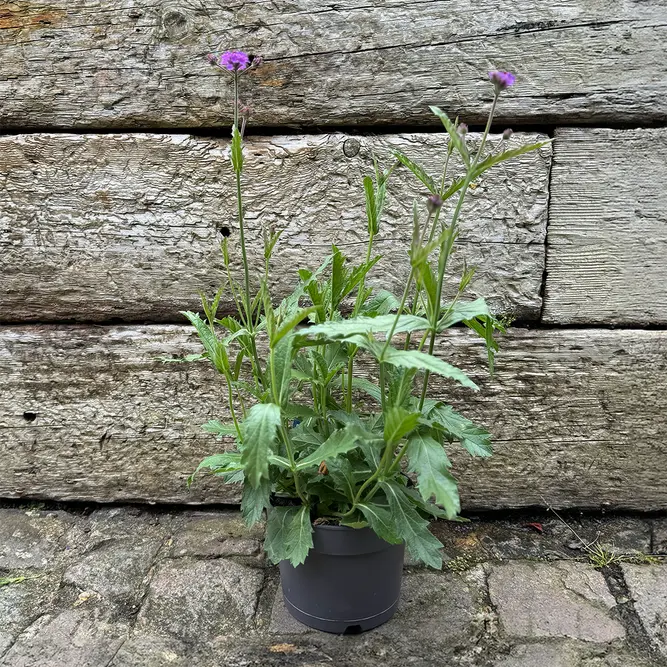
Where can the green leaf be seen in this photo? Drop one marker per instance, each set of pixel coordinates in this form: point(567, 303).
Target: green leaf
point(298, 411)
point(476, 440)
point(381, 521)
point(218, 463)
point(254, 501)
point(289, 534)
point(306, 435)
point(382, 303)
point(428, 460)
point(428, 282)
point(371, 209)
point(218, 428)
point(300, 536)
point(295, 319)
point(281, 371)
point(339, 442)
point(418, 171)
point(410, 527)
point(461, 311)
point(368, 387)
point(363, 325)
point(338, 277)
point(398, 422)
point(454, 136)
point(214, 348)
point(493, 160)
point(259, 430)
point(426, 362)
point(237, 150)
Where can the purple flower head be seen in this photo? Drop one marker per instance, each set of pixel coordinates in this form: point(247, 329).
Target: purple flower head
point(462, 129)
point(507, 134)
point(502, 80)
point(234, 61)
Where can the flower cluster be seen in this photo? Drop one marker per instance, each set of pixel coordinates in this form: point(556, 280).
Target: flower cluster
point(234, 61)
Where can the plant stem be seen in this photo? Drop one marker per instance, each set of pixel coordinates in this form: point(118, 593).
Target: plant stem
point(444, 251)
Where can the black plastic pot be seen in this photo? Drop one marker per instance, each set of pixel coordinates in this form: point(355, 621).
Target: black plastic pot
point(349, 583)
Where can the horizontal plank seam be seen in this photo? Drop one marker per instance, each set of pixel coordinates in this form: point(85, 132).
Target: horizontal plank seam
point(361, 130)
point(527, 325)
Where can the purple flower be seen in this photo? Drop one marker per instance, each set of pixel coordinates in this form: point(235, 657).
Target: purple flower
point(507, 134)
point(234, 60)
point(462, 129)
point(502, 80)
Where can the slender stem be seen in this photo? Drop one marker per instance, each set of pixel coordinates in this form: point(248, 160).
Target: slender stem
point(292, 461)
point(444, 252)
point(230, 398)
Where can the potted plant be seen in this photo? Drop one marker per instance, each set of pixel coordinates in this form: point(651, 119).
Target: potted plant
point(349, 470)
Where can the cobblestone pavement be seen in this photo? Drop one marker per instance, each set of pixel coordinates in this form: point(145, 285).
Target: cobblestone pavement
point(127, 587)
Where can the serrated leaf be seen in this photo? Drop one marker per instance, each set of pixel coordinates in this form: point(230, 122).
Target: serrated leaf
point(426, 362)
point(398, 422)
point(276, 544)
point(254, 501)
point(339, 442)
point(259, 430)
point(367, 387)
point(382, 303)
point(214, 348)
point(428, 460)
point(493, 160)
point(300, 536)
point(288, 534)
point(414, 531)
point(218, 464)
point(218, 428)
point(306, 435)
point(476, 440)
point(362, 325)
point(381, 521)
point(462, 311)
point(418, 171)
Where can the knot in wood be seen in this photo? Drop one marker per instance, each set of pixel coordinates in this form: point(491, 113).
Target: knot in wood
point(351, 147)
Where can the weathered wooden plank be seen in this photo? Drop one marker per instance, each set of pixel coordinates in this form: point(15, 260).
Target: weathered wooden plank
point(86, 413)
point(607, 237)
point(118, 64)
point(95, 227)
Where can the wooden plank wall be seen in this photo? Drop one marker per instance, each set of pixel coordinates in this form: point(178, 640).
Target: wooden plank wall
point(115, 190)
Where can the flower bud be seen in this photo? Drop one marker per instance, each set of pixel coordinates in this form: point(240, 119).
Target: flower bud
point(433, 203)
point(462, 129)
point(507, 134)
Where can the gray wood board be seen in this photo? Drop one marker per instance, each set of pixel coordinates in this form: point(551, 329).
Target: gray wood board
point(96, 227)
point(577, 415)
point(113, 64)
point(607, 236)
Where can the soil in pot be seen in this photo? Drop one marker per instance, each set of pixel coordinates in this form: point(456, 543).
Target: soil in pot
point(349, 583)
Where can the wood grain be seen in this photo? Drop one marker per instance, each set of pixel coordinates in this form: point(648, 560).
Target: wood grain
point(113, 64)
point(97, 227)
point(607, 239)
point(87, 413)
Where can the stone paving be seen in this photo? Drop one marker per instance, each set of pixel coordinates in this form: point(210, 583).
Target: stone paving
point(129, 587)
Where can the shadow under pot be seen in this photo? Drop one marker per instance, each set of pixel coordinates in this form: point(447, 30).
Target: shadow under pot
point(350, 581)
